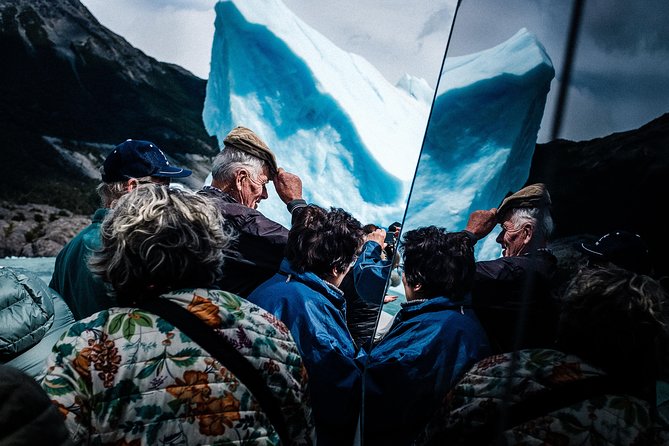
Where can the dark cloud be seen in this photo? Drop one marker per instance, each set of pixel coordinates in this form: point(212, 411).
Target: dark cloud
point(621, 86)
point(619, 80)
point(627, 26)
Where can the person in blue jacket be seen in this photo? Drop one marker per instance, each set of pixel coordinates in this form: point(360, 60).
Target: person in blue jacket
point(434, 339)
point(304, 294)
point(365, 284)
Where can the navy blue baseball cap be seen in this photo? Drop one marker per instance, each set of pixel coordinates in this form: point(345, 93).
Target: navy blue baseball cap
point(136, 159)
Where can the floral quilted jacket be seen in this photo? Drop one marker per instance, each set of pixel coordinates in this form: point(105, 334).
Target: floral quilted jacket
point(474, 406)
point(124, 376)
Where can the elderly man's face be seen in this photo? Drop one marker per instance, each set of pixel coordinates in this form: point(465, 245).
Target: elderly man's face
point(254, 189)
point(513, 240)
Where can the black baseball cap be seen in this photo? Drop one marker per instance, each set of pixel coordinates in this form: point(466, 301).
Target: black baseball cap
point(622, 248)
point(136, 159)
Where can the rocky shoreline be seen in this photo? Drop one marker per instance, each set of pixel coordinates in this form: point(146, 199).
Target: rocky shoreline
point(36, 230)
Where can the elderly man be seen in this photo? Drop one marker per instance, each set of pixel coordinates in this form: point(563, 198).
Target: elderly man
point(240, 173)
point(131, 163)
point(512, 295)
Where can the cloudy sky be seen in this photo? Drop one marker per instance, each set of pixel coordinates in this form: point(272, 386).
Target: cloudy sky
point(394, 38)
point(619, 81)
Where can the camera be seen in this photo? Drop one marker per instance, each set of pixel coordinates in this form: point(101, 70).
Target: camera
point(391, 239)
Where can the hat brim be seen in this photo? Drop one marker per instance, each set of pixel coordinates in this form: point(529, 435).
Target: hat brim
point(590, 250)
point(172, 172)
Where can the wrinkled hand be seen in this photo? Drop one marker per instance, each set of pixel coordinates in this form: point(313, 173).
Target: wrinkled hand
point(288, 185)
point(480, 223)
point(378, 236)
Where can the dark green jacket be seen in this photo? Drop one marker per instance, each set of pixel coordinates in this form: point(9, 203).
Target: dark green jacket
point(84, 292)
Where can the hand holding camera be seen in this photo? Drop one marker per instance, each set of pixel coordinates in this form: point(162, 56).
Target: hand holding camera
point(391, 239)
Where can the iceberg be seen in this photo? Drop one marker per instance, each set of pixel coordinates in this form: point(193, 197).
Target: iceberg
point(482, 134)
point(329, 115)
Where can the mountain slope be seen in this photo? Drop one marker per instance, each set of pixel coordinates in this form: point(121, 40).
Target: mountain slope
point(615, 182)
point(70, 90)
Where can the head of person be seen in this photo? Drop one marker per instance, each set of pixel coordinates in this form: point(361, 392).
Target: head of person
point(324, 242)
point(131, 163)
point(613, 318)
point(244, 167)
point(158, 239)
point(29, 415)
point(526, 220)
point(621, 248)
point(437, 263)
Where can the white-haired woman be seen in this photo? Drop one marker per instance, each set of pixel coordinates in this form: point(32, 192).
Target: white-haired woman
point(128, 376)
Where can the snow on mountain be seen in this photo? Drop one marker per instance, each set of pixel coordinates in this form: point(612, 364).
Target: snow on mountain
point(329, 115)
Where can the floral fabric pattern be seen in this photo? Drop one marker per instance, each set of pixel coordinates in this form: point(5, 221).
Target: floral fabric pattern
point(475, 405)
point(126, 376)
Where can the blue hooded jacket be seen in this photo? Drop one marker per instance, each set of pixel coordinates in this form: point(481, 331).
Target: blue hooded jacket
point(430, 345)
point(315, 313)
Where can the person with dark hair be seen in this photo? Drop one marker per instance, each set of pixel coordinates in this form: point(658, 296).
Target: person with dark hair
point(433, 340)
point(131, 163)
point(134, 374)
point(240, 174)
point(594, 388)
point(365, 284)
point(513, 295)
point(304, 294)
point(27, 417)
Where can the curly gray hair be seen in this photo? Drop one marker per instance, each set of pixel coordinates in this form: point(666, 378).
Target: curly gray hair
point(158, 238)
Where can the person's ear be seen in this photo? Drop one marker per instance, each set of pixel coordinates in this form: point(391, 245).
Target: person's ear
point(528, 232)
point(241, 175)
point(131, 184)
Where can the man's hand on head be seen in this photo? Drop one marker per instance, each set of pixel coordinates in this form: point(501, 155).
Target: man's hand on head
point(481, 223)
point(288, 186)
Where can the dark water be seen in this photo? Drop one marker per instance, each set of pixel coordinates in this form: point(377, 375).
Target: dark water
point(42, 266)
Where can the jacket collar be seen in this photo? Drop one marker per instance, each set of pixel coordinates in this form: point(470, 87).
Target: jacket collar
point(218, 193)
point(331, 292)
point(431, 305)
point(100, 215)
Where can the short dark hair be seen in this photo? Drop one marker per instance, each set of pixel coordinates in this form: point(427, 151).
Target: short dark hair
point(442, 262)
point(320, 240)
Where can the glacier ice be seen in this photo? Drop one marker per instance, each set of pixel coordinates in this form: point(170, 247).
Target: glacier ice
point(482, 133)
point(354, 138)
point(328, 115)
